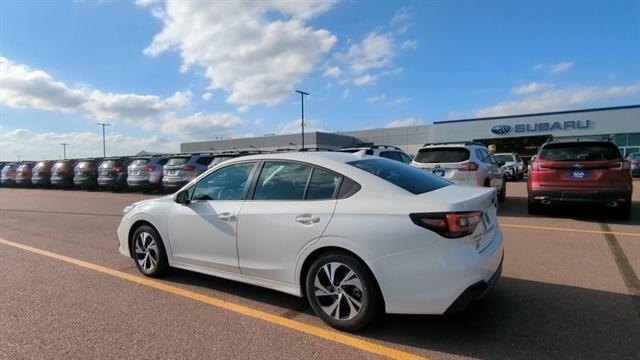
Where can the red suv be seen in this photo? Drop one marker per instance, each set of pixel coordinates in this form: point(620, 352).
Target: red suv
point(580, 172)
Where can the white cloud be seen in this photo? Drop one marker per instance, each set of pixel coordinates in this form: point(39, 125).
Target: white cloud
point(333, 71)
point(365, 80)
point(376, 99)
point(400, 100)
point(294, 126)
point(401, 16)
point(409, 45)
point(207, 96)
point(255, 50)
point(560, 99)
point(346, 93)
point(23, 87)
point(202, 125)
point(561, 67)
point(538, 67)
point(531, 88)
point(375, 51)
point(404, 122)
point(46, 145)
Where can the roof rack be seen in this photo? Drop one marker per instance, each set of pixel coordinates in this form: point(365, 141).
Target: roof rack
point(371, 147)
point(463, 143)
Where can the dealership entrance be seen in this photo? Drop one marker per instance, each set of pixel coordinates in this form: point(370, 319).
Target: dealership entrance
point(525, 146)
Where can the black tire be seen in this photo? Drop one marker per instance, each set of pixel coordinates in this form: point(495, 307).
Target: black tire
point(533, 208)
point(503, 192)
point(623, 212)
point(161, 265)
point(371, 301)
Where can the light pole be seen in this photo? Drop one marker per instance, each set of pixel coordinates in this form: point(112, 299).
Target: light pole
point(302, 94)
point(64, 150)
point(19, 158)
point(104, 147)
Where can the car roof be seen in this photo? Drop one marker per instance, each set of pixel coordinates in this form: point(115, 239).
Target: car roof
point(318, 157)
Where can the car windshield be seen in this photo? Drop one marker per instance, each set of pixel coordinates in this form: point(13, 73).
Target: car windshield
point(405, 176)
point(504, 157)
point(177, 161)
point(442, 155)
point(580, 151)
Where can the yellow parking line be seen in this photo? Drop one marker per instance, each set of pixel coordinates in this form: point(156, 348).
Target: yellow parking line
point(569, 230)
point(331, 335)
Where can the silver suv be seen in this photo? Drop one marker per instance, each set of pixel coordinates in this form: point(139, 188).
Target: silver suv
point(514, 167)
point(180, 169)
point(145, 172)
point(463, 164)
point(385, 151)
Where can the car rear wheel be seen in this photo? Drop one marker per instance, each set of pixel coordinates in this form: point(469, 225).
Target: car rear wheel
point(624, 211)
point(503, 191)
point(533, 208)
point(148, 252)
point(342, 292)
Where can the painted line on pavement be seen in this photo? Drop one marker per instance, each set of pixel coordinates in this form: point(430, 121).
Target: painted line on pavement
point(331, 335)
point(600, 232)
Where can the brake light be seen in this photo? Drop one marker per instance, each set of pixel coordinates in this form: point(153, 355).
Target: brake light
point(536, 166)
point(118, 169)
point(469, 166)
point(450, 225)
point(622, 165)
point(188, 168)
point(150, 168)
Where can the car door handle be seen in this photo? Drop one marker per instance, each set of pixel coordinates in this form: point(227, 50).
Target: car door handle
point(227, 216)
point(307, 219)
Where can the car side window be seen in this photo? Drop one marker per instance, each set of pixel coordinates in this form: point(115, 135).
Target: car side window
point(405, 158)
point(281, 180)
point(228, 183)
point(393, 155)
point(322, 185)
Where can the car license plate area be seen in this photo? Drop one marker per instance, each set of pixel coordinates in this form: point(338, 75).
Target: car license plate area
point(578, 174)
point(135, 173)
point(438, 172)
point(104, 172)
point(173, 172)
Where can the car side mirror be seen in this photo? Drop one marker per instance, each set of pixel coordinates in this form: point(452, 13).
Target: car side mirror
point(183, 197)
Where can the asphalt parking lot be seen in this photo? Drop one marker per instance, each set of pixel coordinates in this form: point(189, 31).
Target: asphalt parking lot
point(570, 289)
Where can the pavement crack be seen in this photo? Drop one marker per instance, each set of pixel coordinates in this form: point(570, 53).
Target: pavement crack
point(629, 275)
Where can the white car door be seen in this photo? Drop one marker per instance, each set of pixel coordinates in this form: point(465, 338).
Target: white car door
point(203, 232)
point(292, 205)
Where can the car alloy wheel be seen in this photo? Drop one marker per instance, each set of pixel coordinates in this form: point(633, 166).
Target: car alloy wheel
point(339, 291)
point(146, 252)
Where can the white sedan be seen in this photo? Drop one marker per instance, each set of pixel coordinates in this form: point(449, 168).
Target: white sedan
point(356, 235)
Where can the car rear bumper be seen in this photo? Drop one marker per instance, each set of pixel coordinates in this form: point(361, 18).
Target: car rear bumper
point(578, 196)
point(139, 183)
point(431, 280)
point(174, 184)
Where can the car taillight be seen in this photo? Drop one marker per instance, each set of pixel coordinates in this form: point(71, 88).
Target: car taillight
point(149, 168)
point(188, 168)
point(622, 165)
point(450, 225)
point(469, 166)
point(118, 169)
point(536, 166)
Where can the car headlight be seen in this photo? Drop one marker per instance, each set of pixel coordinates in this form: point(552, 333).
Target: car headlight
point(128, 208)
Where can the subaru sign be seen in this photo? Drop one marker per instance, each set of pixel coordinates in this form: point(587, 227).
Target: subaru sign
point(501, 129)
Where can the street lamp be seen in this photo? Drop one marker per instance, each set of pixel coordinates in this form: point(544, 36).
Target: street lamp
point(104, 148)
point(302, 94)
point(64, 150)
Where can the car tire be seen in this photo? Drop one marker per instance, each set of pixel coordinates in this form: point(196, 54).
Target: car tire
point(337, 303)
point(624, 212)
point(148, 252)
point(503, 191)
point(533, 208)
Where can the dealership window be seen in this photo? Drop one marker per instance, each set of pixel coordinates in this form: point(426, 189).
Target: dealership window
point(633, 139)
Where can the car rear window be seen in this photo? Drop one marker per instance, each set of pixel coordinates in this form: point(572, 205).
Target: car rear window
point(139, 162)
point(108, 163)
point(580, 151)
point(58, 165)
point(84, 164)
point(177, 161)
point(368, 151)
point(218, 159)
point(505, 158)
point(442, 155)
point(405, 176)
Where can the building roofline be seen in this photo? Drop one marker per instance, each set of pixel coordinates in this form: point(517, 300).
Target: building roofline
point(538, 114)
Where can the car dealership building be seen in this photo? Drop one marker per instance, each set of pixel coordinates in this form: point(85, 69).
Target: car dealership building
point(522, 134)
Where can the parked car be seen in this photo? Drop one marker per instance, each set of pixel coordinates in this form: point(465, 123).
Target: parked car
point(463, 164)
point(514, 167)
point(41, 173)
point(85, 174)
point(580, 172)
point(23, 174)
point(8, 175)
point(358, 236)
point(62, 174)
point(180, 169)
point(112, 173)
point(145, 172)
point(634, 158)
point(385, 151)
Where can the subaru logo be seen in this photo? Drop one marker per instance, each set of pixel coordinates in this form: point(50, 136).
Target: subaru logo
point(501, 129)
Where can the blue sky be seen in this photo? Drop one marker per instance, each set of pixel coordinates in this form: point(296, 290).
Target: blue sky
point(168, 73)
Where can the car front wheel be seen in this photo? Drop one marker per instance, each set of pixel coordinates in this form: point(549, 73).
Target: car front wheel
point(342, 292)
point(148, 252)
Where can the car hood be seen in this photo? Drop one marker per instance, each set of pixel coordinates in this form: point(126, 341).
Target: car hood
point(163, 199)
